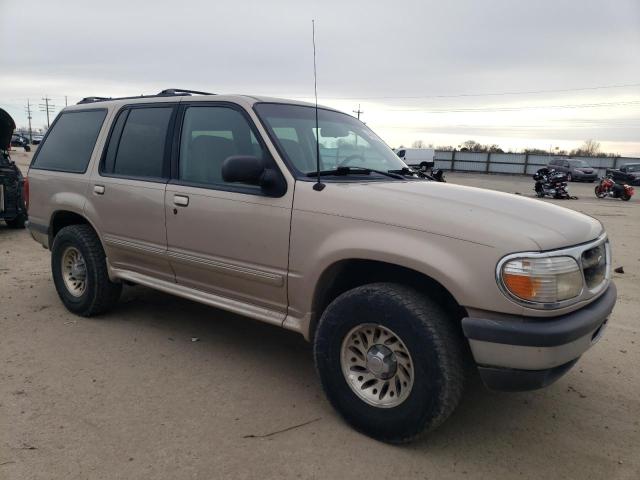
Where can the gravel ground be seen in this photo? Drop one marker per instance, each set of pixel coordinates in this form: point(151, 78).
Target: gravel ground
point(130, 395)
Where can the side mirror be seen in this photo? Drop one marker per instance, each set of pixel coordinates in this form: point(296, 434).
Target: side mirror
point(253, 171)
point(243, 168)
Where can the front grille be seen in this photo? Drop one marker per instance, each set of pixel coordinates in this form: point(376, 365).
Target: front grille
point(594, 265)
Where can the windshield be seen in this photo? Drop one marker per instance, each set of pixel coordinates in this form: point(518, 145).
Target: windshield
point(578, 164)
point(344, 140)
point(633, 167)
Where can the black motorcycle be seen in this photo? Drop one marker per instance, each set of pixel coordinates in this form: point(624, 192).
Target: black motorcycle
point(551, 183)
point(426, 168)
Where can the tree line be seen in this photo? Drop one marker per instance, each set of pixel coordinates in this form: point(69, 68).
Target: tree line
point(590, 148)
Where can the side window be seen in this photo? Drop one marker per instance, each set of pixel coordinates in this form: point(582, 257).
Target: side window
point(70, 142)
point(209, 136)
point(138, 143)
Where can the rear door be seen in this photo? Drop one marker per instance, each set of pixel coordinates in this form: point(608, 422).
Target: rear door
point(226, 239)
point(126, 195)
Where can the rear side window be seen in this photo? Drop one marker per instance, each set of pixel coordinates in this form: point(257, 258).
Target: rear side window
point(70, 142)
point(138, 143)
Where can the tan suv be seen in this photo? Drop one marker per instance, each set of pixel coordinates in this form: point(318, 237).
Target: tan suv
point(401, 283)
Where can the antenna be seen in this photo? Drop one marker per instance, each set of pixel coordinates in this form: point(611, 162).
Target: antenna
point(318, 185)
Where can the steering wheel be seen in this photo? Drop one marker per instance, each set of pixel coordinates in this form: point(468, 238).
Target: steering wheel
point(350, 158)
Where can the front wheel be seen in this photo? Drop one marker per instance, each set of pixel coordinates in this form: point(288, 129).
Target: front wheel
point(390, 361)
point(626, 197)
point(79, 269)
point(599, 191)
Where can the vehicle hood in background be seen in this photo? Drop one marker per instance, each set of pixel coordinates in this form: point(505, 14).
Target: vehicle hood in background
point(7, 126)
point(502, 220)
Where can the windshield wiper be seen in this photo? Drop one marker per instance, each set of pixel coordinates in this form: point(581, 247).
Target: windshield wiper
point(355, 171)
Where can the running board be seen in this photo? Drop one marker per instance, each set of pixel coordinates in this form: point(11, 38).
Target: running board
point(249, 310)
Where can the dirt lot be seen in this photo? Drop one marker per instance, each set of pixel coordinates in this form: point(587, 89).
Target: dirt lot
point(131, 396)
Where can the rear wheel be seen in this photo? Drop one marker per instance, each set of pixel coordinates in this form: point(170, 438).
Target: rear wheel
point(626, 197)
point(79, 268)
point(390, 361)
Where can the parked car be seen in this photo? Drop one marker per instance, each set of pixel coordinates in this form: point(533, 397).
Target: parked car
point(576, 170)
point(36, 138)
point(628, 173)
point(222, 200)
point(20, 141)
point(12, 184)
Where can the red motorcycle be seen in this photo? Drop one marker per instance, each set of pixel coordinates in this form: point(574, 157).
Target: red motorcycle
point(608, 188)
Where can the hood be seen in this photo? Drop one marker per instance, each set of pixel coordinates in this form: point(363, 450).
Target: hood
point(502, 220)
point(7, 126)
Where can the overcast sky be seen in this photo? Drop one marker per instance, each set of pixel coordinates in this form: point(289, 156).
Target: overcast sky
point(438, 71)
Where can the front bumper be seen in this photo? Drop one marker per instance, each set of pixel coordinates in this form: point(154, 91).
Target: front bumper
point(585, 176)
point(525, 353)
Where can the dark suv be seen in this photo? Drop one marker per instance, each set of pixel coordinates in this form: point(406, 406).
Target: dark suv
point(575, 169)
point(12, 184)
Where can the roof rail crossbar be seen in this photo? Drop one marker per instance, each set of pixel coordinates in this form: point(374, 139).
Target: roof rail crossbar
point(170, 92)
point(179, 91)
point(93, 99)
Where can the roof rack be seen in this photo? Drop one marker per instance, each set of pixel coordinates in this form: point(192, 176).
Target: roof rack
point(169, 92)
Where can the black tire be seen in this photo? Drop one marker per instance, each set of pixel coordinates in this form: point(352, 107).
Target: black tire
point(433, 341)
point(17, 222)
point(100, 293)
point(625, 197)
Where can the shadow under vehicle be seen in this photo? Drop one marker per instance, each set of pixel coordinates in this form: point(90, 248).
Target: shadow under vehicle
point(12, 184)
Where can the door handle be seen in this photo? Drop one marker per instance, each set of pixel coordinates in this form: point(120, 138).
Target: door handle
point(98, 189)
point(180, 200)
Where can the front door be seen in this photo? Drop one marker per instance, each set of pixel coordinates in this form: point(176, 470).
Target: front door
point(226, 239)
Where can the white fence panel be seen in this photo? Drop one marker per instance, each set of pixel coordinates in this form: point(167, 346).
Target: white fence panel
point(505, 167)
point(508, 158)
point(443, 155)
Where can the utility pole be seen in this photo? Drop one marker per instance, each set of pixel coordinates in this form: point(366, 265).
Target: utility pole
point(358, 112)
point(48, 108)
point(29, 117)
point(65, 101)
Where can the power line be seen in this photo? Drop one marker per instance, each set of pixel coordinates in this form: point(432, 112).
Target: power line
point(358, 111)
point(47, 107)
point(511, 109)
point(29, 117)
point(490, 94)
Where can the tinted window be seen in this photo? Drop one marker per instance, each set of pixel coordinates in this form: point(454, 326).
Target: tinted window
point(141, 148)
point(209, 136)
point(70, 142)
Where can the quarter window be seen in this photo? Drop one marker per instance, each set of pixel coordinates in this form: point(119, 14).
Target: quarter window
point(209, 136)
point(70, 142)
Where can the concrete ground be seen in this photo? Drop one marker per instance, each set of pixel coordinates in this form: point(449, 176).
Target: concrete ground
point(130, 395)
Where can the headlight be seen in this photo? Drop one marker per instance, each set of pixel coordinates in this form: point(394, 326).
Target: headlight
point(542, 280)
